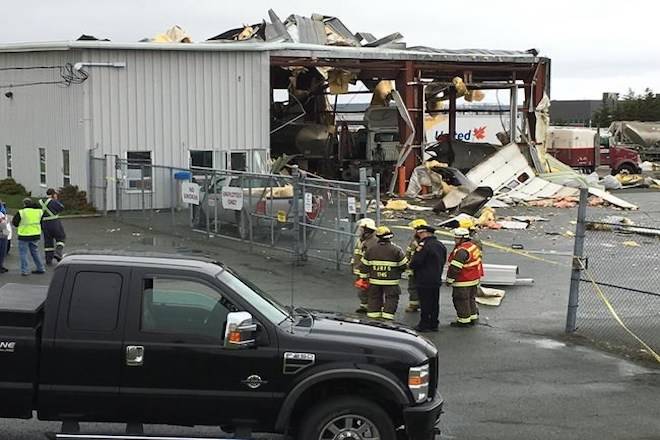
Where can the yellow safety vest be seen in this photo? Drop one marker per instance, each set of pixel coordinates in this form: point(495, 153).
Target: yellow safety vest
point(30, 224)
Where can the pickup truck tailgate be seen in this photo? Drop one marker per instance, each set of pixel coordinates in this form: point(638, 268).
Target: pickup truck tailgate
point(21, 315)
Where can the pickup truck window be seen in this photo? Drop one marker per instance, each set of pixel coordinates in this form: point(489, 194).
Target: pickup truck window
point(181, 306)
point(95, 301)
point(259, 299)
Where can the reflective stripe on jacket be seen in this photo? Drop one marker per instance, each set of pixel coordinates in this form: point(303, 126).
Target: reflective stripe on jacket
point(410, 252)
point(51, 209)
point(30, 224)
point(363, 243)
point(465, 266)
point(384, 264)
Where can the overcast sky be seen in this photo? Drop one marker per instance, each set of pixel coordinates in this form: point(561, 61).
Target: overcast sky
point(595, 46)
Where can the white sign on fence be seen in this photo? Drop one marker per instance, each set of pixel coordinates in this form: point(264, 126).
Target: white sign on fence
point(351, 205)
point(190, 193)
point(309, 206)
point(232, 198)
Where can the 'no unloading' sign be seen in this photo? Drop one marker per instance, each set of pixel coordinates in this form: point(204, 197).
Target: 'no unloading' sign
point(190, 193)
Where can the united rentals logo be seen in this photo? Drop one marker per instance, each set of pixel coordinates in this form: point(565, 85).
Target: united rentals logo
point(477, 133)
point(7, 347)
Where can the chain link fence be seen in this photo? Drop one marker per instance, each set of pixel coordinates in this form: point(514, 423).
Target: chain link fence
point(619, 282)
point(305, 216)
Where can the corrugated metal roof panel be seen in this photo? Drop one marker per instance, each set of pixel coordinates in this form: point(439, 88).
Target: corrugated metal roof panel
point(310, 31)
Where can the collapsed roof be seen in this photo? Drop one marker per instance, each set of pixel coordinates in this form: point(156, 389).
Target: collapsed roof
point(324, 30)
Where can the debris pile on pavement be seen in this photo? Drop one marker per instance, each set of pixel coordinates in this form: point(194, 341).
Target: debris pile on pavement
point(622, 225)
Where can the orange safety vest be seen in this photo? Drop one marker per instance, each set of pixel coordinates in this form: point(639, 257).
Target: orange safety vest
point(472, 270)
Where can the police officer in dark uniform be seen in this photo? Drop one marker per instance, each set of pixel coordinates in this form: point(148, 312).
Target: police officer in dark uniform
point(427, 262)
point(51, 225)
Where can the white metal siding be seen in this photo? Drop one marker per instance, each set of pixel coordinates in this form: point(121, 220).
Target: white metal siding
point(48, 116)
point(166, 102)
point(170, 102)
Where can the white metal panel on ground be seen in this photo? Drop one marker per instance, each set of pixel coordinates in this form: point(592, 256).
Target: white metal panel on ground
point(511, 178)
point(48, 116)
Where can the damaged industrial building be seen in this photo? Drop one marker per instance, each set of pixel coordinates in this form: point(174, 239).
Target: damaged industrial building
point(254, 94)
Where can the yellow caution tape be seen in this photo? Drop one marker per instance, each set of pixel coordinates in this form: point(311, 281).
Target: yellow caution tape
point(616, 316)
point(497, 246)
point(593, 282)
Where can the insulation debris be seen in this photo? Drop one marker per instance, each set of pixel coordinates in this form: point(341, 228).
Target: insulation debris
point(489, 296)
point(396, 205)
point(175, 34)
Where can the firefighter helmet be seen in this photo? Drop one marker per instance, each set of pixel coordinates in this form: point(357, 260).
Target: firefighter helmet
point(461, 233)
point(466, 223)
point(417, 223)
point(367, 223)
point(384, 232)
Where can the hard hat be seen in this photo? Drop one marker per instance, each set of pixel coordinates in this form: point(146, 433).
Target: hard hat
point(384, 232)
point(465, 223)
point(367, 223)
point(417, 223)
point(461, 233)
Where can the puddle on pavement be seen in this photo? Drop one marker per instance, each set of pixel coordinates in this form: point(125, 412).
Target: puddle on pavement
point(628, 369)
point(625, 368)
point(549, 344)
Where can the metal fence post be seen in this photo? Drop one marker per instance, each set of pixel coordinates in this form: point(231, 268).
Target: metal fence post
point(295, 208)
point(303, 193)
point(91, 193)
point(142, 193)
point(378, 199)
point(363, 192)
point(118, 180)
point(578, 250)
point(105, 185)
point(173, 200)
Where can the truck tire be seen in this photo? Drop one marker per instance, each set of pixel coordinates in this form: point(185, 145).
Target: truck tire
point(631, 168)
point(346, 417)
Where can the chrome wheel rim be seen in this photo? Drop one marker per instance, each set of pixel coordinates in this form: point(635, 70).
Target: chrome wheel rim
point(350, 427)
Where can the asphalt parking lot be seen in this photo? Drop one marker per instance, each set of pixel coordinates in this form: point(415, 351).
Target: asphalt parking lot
point(515, 376)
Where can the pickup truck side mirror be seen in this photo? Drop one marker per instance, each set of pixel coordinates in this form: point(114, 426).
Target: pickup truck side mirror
point(240, 330)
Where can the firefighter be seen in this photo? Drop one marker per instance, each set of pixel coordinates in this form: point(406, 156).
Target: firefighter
point(52, 227)
point(463, 274)
point(413, 301)
point(366, 239)
point(384, 264)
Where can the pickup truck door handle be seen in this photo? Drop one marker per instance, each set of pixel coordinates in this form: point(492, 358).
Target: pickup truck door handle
point(134, 355)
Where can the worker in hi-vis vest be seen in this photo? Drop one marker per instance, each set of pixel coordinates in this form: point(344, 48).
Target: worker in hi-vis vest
point(28, 223)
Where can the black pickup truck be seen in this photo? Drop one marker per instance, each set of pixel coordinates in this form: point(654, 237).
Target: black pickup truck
point(146, 339)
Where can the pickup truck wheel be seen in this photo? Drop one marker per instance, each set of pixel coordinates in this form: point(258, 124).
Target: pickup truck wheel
point(347, 418)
